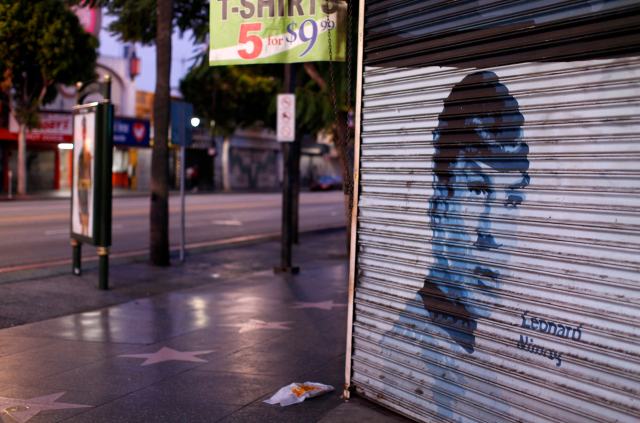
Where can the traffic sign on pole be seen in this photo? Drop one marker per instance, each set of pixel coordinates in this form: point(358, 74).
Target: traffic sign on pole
point(286, 117)
point(181, 114)
point(286, 134)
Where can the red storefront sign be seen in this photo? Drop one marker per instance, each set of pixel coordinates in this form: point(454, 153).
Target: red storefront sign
point(54, 127)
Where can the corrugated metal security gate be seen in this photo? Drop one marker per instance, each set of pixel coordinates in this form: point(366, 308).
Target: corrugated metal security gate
point(496, 272)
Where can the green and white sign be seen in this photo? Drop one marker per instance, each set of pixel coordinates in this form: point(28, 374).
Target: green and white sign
point(246, 32)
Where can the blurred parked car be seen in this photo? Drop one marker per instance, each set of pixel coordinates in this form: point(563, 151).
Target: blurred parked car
point(325, 183)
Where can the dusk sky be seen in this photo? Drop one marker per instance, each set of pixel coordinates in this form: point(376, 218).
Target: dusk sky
point(182, 52)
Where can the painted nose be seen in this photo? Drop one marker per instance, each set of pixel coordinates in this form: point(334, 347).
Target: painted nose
point(486, 242)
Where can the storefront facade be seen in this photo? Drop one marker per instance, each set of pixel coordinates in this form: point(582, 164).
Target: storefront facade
point(131, 139)
point(49, 152)
point(495, 267)
point(48, 156)
point(249, 160)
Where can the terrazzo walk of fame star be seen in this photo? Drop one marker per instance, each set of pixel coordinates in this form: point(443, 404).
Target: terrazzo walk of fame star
point(254, 324)
point(169, 354)
point(23, 410)
point(321, 305)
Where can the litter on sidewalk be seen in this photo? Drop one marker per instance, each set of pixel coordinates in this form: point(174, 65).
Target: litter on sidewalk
point(298, 392)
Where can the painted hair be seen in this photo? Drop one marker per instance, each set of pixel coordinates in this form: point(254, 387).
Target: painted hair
point(480, 121)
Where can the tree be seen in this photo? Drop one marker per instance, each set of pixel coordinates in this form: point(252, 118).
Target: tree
point(231, 97)
point(159, 209)
point(148, 22)
point(41, 44)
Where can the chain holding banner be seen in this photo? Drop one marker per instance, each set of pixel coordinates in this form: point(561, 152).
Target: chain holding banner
point(244, 32)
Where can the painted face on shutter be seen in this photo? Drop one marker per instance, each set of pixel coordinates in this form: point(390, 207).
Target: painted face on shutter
point(480, 167)
point(476, 228)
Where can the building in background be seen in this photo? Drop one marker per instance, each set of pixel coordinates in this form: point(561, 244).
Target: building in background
point(49, 156)
point(250, 160)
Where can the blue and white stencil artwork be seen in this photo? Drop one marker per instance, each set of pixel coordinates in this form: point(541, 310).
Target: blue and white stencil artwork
point(496, 243)
point(480, 166)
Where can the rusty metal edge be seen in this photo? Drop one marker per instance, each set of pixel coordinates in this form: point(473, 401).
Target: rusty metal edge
point(354, 210)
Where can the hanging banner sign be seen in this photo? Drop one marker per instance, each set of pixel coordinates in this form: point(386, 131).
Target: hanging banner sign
point(244, 32)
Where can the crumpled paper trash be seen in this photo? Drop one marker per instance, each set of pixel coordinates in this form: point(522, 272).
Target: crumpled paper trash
point(298, 392)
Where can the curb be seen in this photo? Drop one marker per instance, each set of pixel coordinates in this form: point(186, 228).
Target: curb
point(133, 194)
point(62, 266)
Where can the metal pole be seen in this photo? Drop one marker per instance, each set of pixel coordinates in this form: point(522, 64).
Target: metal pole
point(105, 87)
point(10, 193)
point(104, 187)
point(285, 238)
point(287, 192)
point(296, 189)
point(287, 210)
point(76, 248)
point(103, 278)
point(182, 213)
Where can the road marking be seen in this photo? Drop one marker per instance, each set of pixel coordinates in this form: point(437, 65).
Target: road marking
point(57, 231)
point(306, 200)
point(227, 222)
point(145, 212)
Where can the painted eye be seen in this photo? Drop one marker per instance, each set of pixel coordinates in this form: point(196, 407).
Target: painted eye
point(478, 190)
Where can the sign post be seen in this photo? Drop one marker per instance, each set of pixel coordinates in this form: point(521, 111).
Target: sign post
point(10, 187)
point(91, 196)
point(286, 134)
point(181, 114)
point(286, 127)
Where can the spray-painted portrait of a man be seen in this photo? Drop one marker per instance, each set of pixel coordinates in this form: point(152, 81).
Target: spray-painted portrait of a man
point(481, 170)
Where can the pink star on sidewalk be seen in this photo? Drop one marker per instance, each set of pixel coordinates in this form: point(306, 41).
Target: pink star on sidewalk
point(24, 410)
point(169, 354)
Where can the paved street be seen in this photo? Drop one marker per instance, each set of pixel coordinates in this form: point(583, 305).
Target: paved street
point(38, 231)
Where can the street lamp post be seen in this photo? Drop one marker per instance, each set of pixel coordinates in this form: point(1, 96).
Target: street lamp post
point(183, 159)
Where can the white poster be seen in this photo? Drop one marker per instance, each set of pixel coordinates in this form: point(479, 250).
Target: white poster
point(84, 130)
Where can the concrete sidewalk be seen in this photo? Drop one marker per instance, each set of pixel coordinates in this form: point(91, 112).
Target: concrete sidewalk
point(205, 341)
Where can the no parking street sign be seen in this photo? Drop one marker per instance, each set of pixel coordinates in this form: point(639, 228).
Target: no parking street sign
point(286, 117)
